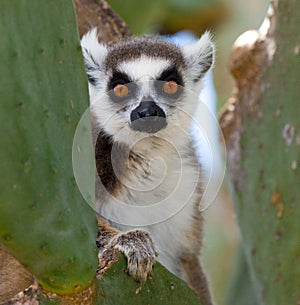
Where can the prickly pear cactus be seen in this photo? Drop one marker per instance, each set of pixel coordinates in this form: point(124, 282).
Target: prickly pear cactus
point(116, 287)
point(44, 221)
point(262, 129)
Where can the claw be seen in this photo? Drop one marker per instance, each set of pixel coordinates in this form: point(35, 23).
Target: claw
point(139, 249)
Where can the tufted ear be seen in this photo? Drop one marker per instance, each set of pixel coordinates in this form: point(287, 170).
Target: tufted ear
point(94, 54)
point(200, 56)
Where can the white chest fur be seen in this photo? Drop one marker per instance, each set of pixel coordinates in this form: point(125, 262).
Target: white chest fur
point(159, 193)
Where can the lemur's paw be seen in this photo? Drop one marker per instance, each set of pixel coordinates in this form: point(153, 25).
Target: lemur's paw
point(139, 249)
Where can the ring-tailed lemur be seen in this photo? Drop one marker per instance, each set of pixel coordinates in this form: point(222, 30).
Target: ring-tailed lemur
point(143, 94)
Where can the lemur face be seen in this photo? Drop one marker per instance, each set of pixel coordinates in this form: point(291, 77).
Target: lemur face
point(144, 86)
point(145, 92)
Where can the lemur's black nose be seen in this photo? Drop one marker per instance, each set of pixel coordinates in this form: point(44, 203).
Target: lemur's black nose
point(148, 117)
point(147, 112)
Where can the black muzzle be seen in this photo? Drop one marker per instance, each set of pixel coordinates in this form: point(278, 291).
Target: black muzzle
point(148, 117)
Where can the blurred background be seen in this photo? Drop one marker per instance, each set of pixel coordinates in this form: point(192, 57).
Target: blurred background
point(226, 19)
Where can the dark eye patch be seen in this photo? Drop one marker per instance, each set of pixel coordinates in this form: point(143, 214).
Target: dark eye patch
point(171, 74)
point(118, 78)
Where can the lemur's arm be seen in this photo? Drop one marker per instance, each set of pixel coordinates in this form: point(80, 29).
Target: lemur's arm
point(136, 245)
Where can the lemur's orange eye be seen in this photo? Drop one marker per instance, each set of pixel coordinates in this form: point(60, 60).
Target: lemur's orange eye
point(121, 90)
point(170, 87)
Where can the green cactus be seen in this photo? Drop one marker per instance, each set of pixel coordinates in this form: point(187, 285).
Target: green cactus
point(240, 289)
point(263, 138)
point(116, 287)
point(44, 221)
point(161, 288)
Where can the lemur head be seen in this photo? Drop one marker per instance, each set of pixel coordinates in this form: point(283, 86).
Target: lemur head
point(144, 86)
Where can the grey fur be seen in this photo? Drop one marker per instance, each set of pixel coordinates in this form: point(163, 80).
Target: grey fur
point(133, 48)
